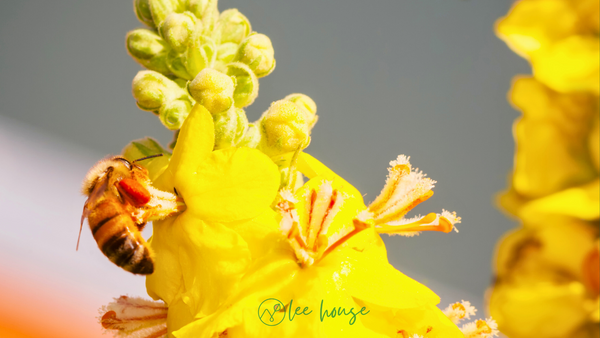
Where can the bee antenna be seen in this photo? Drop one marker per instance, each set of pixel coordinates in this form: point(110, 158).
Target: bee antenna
point(147, 157)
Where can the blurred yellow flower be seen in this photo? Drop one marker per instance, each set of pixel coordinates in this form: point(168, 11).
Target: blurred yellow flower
point(202, 253)
point(559, 38)
point(555, 151)
point(547, 280)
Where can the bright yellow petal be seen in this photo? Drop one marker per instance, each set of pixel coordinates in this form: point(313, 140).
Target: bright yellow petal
point(375, 281)
point(198, 262)
point(231, 184)
point(195, 142)
point(426, 321)
point(311, 167)
point(166, 281)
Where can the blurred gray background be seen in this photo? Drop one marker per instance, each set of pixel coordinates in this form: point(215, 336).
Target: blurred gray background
point(425, 78)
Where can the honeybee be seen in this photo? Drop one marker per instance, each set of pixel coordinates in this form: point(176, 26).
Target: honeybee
point(121, 200)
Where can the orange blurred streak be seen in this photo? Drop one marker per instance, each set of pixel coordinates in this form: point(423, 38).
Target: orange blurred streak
point(32, 308)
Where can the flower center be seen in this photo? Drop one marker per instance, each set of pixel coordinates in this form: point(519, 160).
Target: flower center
point(309, 224)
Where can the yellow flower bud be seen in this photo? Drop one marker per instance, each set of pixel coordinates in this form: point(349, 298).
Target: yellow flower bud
point(233, 26)
point(284, 129)
point(173, 113)
point(246, 84)
point(306, 105)
point(257, 52)
point(213, 90)
point(177, 29)
point(148, 49)
point(143, 13)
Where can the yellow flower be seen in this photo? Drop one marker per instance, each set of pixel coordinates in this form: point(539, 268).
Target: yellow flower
point(556, 162)
point(202, 253)
point(560, 38)
point(328, 256)
point(548, 280)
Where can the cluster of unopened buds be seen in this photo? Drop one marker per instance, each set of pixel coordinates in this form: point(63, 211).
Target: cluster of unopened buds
point(234, 222)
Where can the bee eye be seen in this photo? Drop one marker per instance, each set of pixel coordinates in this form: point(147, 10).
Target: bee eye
point(134, 192)
point(125, 162)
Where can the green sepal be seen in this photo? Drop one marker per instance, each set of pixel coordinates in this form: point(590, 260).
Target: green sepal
point(246, 84)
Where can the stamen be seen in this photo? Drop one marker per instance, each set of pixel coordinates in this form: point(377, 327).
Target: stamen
point(459, 311)
point(443, 222)
point(135, 317)
point(403, 334)
point(480, 329)
point(403, 190)
point(310, 235)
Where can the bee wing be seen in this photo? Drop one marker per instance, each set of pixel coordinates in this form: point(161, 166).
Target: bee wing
point(99, 189)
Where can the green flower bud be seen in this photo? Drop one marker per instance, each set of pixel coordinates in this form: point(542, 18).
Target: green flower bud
point(160, 9)
point(157, 93)
point(176, 64)
point(143, 13)
point(284, 129)
point(201, 54)
point(251, 137)
point(206, 10)
point(226, 52)
point(213, 90)
point(177, 30)
point(149, 90)
point(225, 128)
point(257, 52)
point(147, 147)
point(306, 105)
point(148, 49)
point(232, 26)
point(242, 125)
point(173, 113)
point(246, 84)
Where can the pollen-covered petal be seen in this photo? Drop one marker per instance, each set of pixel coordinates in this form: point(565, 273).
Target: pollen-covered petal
point(443, 222)
point(232, 184)
point(135, 317)
point(195, 142)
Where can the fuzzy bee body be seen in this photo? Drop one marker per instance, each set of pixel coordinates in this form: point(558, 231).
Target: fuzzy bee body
point(120, 201)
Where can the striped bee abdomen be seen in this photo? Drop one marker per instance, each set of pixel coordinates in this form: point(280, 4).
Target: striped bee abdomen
point(119, 239)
